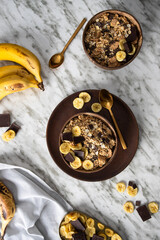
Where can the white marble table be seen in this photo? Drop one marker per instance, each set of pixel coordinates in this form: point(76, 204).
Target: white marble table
point(44, 27)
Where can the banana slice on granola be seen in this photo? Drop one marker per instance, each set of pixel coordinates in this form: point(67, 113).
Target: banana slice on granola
point(76, 131)
point(153, 207)
point(77, 163)
point(87, 164)
point(120, 56)
point(133, 50)
point(121, 187)
point(64, 148)
point(78, 103)
point(96, 107)
point(90, 222)
point(77, 146)
point(121, 44)
point(109, 232)
point(85, 96)
point(116, 237)
point(132, 191)
point(9, 135)
point(100, 226)
point(128, 207)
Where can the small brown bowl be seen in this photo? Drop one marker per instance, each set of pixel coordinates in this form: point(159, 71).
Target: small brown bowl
point(132, 20)
point(108, 124)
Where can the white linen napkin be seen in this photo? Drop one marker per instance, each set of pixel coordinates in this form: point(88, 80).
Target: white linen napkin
point(39, 209)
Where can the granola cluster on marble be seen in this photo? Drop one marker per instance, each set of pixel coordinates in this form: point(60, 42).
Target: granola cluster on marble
point(87, 142)
point(111, 40)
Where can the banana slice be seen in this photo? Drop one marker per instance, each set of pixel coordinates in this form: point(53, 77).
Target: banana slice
point(120, 56)
point(100, 226)
point(128, 207)
point(96, 107)
point(87, 164)
point(109, 232)
point(85, 96)
point(90, 231)
point(72, 216)
point(78, 103)
point(90, 222)
point(82, 219)
point(116, 237)
point(133, 50)
point(62, 231)
point(77, 163)
point(121, 42)
point(64, 148)
point(102, 235)
point(76, 131)
point(85, 150)
point(9, 135)
point(69, 235)
point(121, 187)
point(77, 146)
point(153, 207)
point(131, 191)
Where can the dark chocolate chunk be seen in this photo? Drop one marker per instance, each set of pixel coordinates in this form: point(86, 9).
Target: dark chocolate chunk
point(90, 126)
point(111, 15)
point(144, 212)
point(69, 157)
point(15, 127)
point(138, 203)
point(78, 225)
point(96, 237)
point(134, 186)
point(67, 136)
point(134, 34)
point(127, 47)
point(79, 236)
point(78, 139)
point(99, 134)
point(5, 120)
point(79, 154)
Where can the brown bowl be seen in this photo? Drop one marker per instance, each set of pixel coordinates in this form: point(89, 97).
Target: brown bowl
point(132, 20)
point(108, 124)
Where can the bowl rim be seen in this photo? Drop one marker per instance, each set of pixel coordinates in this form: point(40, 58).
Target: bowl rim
point(108, 124)
point(140, 40)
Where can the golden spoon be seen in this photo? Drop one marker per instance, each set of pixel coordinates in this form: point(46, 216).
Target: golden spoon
point(57, 59)
point(106, 100)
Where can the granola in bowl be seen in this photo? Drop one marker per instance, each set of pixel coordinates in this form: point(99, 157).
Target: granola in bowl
point(112, 39)
point(87, 142)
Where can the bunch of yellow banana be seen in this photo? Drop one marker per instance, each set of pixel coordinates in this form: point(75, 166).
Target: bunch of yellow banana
point(15, 78)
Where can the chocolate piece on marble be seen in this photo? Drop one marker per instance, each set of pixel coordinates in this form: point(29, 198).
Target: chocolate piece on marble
point(144, 212)
point(15, 127)
point(67, 136)
point(69, 157)
point(79, 154)
point(79, 236)
point(79, 139)
point(138, 203)
point(96, 237)
point(5, 120)
point(78, 225)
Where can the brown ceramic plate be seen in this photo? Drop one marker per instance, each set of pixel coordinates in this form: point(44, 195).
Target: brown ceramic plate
point(107, 124)
point(125, 119)
point(132, 20)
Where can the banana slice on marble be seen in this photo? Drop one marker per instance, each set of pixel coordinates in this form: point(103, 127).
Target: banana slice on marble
point(76, 131)
point(121, 44)
point(77, 146)
point(116, 237)
point(121, 187)
point(96, 107)
point(77, 163)
point(109, 232)
point(64, 148)
point(85, 96)
point(90, 222)
point(132, 191)
point(87, 164)
point(153, 207)
point(78, 103)
point(120, 56)
point(128, 207)
point(8, 135)
point(133, 50)
point(100, 226)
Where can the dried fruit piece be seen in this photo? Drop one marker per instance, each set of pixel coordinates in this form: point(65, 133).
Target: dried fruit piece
point(109, 232)
point(64, 148)
point(116, 237)
point(132, 191)
point(100, 226)
point(8, 135)
point(76, 131)
point(96, 107)
point(87, 165)
point(78, 103)
point(85, 96)
point(121, 44)
point(120, 56)
point(121, 187)
point(128, 207)
point(153, 207)
point(76, 163)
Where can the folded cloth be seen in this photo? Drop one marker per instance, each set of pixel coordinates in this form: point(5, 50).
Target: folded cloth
point(39, 209)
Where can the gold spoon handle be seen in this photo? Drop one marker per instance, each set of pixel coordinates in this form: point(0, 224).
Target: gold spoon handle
point(118, 131)
point(74, 34)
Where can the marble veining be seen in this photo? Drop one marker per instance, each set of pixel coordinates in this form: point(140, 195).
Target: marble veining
point(44, 27)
